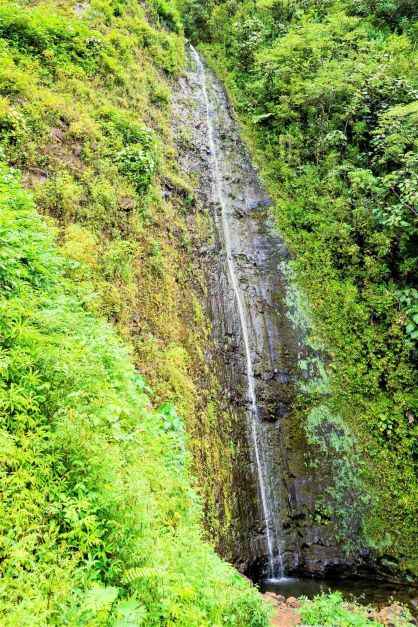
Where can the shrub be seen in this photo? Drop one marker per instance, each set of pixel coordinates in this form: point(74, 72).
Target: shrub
point(329, 610)
point(43, 32)
point(168, 14)
point(395, 13)
point(138, 163)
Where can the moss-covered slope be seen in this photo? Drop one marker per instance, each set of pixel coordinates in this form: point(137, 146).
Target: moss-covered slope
point(99, 522)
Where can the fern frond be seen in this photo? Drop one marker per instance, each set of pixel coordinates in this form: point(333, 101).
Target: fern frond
point(133, 574)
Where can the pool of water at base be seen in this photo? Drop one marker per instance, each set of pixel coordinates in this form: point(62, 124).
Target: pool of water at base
point(363, 591)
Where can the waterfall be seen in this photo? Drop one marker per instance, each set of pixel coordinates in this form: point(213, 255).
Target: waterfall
point(275, 560)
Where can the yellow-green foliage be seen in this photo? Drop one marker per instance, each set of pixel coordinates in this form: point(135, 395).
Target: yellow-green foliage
point(330, 610)
point(98, 522)
point(85, 114)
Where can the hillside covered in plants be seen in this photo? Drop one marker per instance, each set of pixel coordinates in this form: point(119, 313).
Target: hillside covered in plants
point(117, 445)
point(328, 96)
point(100, 523)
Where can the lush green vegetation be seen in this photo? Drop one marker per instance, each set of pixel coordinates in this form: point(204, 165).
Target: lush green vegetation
point(328, 95)
point(330, 610)
point(99, 524)
point(85, 110)
point(99, 521)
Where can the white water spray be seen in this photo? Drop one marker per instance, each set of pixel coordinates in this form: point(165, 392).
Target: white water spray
point(275, 559)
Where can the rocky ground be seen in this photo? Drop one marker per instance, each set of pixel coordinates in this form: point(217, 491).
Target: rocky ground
point(286, 612)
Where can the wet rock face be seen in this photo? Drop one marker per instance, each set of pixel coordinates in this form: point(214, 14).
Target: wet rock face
point(258, 254)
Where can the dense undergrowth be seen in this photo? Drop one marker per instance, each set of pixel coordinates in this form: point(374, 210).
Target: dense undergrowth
point(99, 522)
point(330, 610)
point(328, 95)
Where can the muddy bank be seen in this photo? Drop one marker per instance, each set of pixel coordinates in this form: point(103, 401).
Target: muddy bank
point(269, 503)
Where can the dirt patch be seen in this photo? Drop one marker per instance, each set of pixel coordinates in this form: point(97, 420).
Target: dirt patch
point(285, 610)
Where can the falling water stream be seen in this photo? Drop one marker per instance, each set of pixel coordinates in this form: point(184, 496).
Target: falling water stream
point(275, 560)
point(253, 350)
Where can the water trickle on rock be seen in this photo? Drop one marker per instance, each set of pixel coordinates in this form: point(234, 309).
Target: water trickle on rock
point(264, 497)
point(273, 541)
